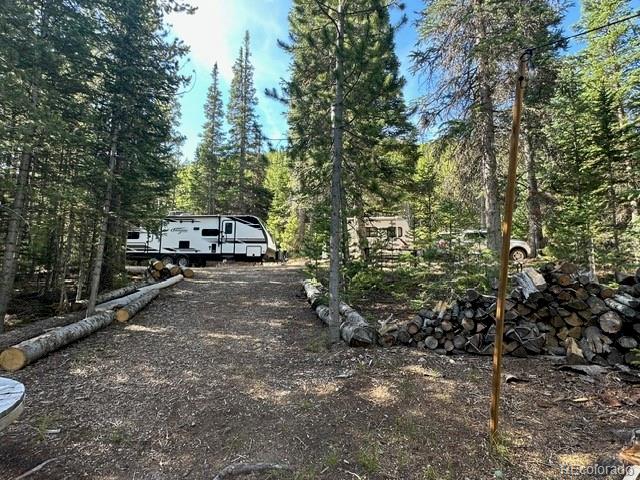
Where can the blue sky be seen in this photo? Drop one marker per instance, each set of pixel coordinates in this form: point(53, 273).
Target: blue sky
point(214, 34)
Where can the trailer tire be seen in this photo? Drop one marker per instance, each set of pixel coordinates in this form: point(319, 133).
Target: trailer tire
point(167, 260)
point(182, 261)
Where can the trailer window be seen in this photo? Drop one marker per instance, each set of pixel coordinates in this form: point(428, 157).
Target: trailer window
point(210, 232)
point(183, 244)
point(399, 231)
point(391, 232)
point(228, 228)
point(133, 235)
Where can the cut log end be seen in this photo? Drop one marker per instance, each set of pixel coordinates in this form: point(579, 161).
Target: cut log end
point(13, 359)
point(187, 272)
point(122, 315)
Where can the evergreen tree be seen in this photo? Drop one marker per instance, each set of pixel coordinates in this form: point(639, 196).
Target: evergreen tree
point(210, 190)
point(245, 135)
point(87, 95)
point(343, 62)
point(468, 52)
point(282, 217)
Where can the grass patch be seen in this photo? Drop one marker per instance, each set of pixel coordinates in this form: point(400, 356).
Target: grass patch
point(44, 424)
point(332, 458)
point(369, 458)
point(119, 436)
point(501, 448)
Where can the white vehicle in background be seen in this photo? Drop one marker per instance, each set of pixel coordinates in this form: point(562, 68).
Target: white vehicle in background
point(194, 239)
point(389, 236)
point(519, 250)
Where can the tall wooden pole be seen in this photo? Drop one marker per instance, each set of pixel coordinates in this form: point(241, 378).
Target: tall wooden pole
point(509, 202)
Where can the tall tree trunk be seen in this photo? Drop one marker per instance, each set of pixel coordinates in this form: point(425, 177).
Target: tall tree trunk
point(102, 237)
point(10, 258)
point(336, 181)
point(301, 213)
point(487, 139)
point(534, 211)
point(65, 261)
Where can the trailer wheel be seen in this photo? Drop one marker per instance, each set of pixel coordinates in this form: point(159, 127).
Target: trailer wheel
point(183, 262)
point(167, 260)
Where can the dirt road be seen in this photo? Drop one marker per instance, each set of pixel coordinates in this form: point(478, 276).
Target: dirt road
point(232, 367)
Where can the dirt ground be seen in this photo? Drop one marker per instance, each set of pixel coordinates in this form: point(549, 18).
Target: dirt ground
point(232, 366)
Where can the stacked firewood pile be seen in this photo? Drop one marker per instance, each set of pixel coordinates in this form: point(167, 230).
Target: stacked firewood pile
point(557, 310)
point(157, 270)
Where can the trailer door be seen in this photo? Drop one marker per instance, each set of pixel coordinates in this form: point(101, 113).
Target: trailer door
point(228, 237)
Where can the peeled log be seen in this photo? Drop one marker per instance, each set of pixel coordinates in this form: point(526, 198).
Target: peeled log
point(627, 300)
point(120, 302)
point(136, 269)
point(160, 285)
point(125, 313)
point(22, 354)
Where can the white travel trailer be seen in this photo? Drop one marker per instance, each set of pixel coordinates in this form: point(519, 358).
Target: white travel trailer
point(389, 236)
point(194, 239)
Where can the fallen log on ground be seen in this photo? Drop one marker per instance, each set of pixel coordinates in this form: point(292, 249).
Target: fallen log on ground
point(354, 330)
point(125, 313)
point(136, 269)
point(161, 285)
point(113, 294)
point(24, 353)
point(37, 328)
point(120, 302)
point(27, 351)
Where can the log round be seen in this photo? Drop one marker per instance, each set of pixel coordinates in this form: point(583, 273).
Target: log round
point(125, 313)
point(173, 269)
point(22, 354)
point(610, 322)
point(187, 272)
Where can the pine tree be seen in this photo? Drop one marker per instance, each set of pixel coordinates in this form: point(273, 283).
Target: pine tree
point(209, 191)
point(282, 218)
point(245, 136)
point(343, 62)
point(468, 52)
point(611, 72)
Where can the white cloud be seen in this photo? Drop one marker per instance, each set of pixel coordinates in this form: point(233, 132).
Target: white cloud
point(215, 32)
